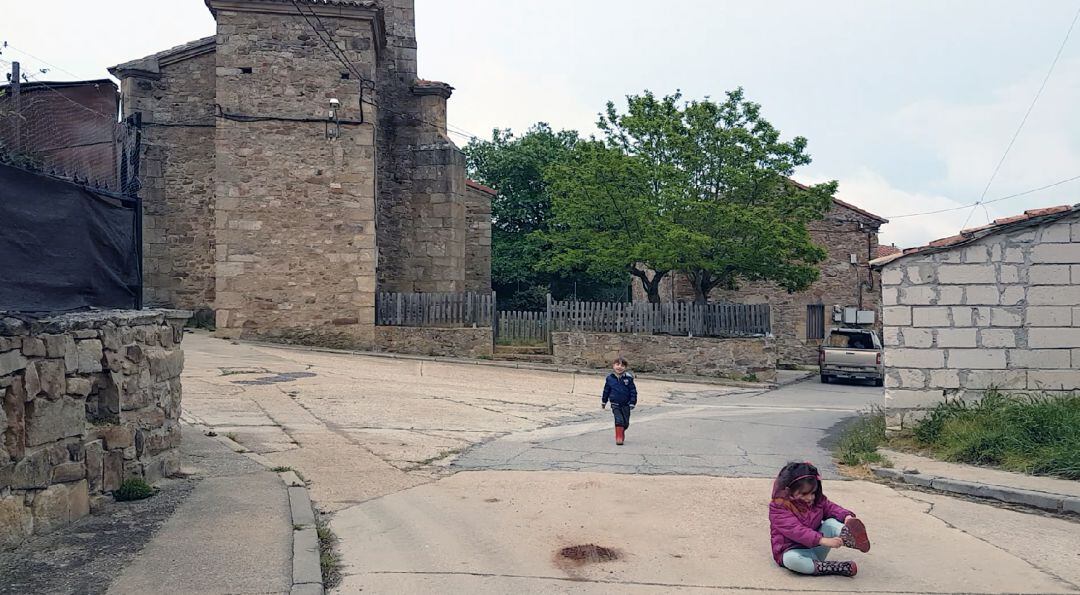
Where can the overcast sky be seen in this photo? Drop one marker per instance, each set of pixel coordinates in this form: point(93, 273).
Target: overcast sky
point(909, 105)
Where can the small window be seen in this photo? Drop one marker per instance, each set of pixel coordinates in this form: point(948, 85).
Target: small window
point(245, 70)
point(344, 76)
point(815, 321)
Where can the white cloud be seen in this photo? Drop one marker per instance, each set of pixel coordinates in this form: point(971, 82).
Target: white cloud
point(970, 137)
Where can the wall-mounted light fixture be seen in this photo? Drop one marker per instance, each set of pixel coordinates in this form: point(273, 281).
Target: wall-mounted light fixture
point(333, 123)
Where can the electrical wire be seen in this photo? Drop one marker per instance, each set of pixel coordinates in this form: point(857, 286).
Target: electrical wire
point(985, 202)
point(1023, 121)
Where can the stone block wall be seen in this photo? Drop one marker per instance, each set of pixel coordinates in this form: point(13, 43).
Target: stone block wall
point(294, 210)
point(478, 237)
point(842, 232)
point(1002, 312)
point(441, 342)
point(89, 399)
point(176, 99)
point(666, 354)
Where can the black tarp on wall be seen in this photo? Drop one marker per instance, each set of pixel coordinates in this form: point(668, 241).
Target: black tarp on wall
point(64, 247)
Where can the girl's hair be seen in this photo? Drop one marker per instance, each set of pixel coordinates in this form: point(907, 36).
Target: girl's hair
point(797, 477)
point(622, 361)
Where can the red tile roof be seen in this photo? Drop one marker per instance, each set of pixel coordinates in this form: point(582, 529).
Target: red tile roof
point(883, 251)
point(1029, 217)
point(482, 188)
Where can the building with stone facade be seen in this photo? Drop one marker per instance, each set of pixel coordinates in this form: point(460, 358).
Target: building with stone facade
point(295, 164)
point(800, 320)
point(997, 306)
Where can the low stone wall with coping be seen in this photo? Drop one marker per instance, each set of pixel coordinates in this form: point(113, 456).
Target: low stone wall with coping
point(666, 354)
point(89, 399)
point(444, 342)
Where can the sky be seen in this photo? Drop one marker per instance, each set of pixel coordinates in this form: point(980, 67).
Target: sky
point(909, 105)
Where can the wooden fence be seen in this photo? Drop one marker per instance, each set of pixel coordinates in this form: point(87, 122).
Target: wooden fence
point(521, 328)
point(679, 318)
point(466, 309)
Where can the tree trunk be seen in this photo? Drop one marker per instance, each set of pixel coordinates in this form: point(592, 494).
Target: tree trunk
point(650, 285)
point(703, 283)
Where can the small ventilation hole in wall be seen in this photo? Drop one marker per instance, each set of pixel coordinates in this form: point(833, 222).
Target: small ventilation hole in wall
point(344, 76)
point(245, 70)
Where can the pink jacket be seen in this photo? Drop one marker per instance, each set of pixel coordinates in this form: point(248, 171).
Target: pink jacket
point(794, 524)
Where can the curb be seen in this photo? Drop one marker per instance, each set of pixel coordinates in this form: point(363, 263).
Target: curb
point(511, 364)
point(1058, 503)
point(306, 566)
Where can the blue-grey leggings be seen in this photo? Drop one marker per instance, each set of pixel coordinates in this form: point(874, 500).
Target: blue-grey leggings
point(802, 560)
point(622, 414)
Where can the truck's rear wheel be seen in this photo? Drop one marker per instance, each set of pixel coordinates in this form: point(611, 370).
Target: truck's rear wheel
point(826, 379)
point(879, 382)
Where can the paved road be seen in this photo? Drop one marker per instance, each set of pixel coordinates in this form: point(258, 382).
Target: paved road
point(728, 434)
point(459, 478)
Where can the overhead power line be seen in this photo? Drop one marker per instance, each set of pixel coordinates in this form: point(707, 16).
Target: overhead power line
point(985, 202)
point(1023, 121)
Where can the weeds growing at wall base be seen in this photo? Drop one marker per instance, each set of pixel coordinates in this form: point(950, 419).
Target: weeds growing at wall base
point(1029, 433)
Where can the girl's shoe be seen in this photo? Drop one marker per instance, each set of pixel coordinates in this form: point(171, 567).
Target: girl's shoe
point(620, 435)
point(854, 535)
point(835, 568)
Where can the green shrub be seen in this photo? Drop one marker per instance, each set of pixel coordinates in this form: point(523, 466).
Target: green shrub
point(1037, 434)
point(859, 442)
point(133, 489)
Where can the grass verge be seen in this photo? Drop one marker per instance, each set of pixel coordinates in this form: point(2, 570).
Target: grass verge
point(1029, 433)
point(329, 559)
point(859, 442)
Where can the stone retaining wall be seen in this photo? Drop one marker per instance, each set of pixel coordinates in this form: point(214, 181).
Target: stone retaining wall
point(447, 342)
point(729, 358)
point(89, 399)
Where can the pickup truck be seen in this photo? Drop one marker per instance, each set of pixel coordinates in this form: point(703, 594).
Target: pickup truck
point(853, 354)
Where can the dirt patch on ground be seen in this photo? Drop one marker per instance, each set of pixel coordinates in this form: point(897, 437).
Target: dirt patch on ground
point(590, 553)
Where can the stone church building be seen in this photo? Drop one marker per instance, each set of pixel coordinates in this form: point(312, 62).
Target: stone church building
point(294, 164)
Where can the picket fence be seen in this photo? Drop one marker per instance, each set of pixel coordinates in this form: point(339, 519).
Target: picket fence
point(465, 309)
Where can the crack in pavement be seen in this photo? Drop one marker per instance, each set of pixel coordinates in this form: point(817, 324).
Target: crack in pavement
point(601, 581)
point(930, 506)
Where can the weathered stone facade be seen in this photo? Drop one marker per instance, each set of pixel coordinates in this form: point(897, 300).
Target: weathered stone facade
point(666, 354)
point(478, 237)
point(845, 231)
point(278, 217)
point(997, 308)
point(89, 399)
point(440, 342)
point(176, 100)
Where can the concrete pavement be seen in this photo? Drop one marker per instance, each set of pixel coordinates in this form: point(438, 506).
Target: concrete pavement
point(732, 434)
point(453, 478)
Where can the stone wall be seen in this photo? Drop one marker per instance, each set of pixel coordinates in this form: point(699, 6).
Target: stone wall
point(478, 237)
point(666, 354)
point(89, 399)
point(842, 232)
point(446, 342)
point(1003, 312)
point(294, 210)
point(176, 99)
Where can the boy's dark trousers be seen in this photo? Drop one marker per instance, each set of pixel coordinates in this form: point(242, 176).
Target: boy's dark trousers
point(622, 415)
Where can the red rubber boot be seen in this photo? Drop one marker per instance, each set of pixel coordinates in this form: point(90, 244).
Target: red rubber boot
point(620, 435)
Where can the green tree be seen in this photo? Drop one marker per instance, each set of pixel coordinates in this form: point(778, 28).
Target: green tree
point(748, 217)
point(514, 165)
point(699, 187)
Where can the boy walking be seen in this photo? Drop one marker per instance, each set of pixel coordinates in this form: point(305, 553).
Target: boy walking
point(621, 391)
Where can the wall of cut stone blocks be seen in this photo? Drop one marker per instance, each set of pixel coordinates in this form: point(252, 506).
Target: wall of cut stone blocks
point(439, 342)
point(294, 209)
point(1002, 312)
point(177, 169)
point(89, 399)
point(477, 240)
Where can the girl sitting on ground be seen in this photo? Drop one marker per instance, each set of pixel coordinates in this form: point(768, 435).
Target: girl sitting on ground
point(805, 525)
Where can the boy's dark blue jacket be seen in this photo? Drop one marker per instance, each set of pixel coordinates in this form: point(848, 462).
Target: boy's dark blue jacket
point(620, 390)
